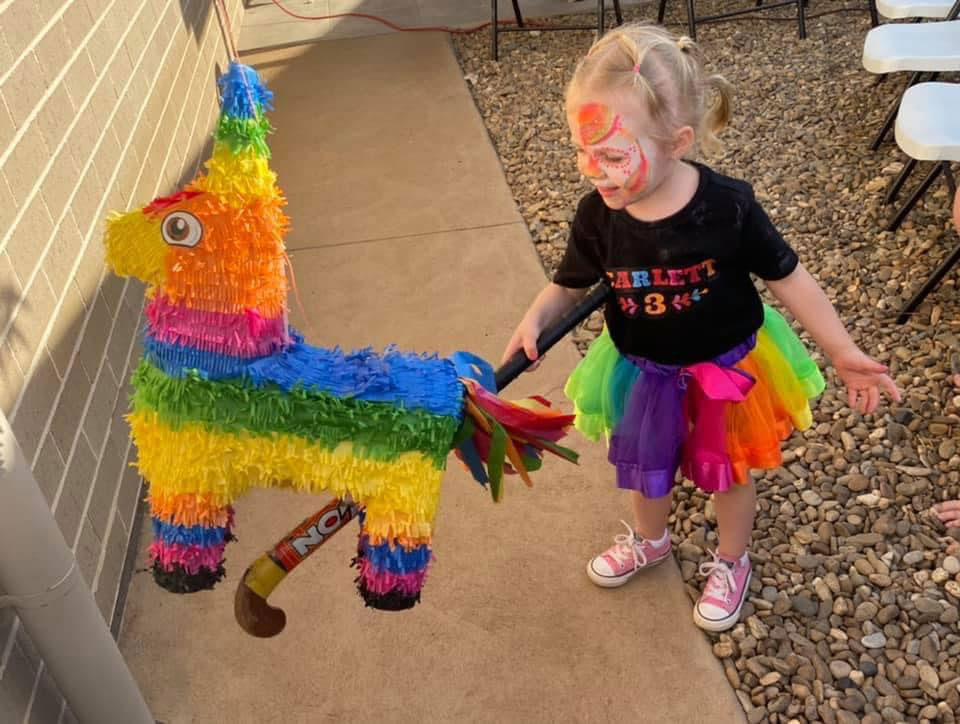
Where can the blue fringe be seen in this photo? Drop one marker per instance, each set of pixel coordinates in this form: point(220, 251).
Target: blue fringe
point(194, 535)
point(244, 94)
point(178, 361)
point(411, 381)
point(395, 560)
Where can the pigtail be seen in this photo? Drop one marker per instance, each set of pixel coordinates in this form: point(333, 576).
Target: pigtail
point(719, 112)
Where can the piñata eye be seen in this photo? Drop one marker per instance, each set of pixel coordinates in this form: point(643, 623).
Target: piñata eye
point(182, 229)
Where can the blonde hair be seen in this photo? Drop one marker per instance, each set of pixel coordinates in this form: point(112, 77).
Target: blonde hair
point(663, 72)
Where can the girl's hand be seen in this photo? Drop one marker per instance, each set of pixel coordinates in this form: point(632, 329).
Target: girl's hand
point(525, 338)
point(864, 378)
point(948, 513)
point(956, 210)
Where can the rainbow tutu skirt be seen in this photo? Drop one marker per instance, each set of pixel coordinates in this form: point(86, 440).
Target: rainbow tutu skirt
point(714, 420)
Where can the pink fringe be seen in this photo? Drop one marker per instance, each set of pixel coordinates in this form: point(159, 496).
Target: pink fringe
point(191, 558)
point(237, 335)
point(381, 582)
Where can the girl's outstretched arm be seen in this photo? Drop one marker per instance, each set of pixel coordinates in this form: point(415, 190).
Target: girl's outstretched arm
point(948, 513)
point(549, 306)
point(863, 376)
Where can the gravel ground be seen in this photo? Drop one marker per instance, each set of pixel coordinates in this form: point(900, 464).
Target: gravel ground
point(854, 602)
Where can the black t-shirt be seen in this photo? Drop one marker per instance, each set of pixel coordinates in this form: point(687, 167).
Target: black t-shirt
point(682, 286)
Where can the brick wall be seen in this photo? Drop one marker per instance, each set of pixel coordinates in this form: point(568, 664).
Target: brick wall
point(104, 104)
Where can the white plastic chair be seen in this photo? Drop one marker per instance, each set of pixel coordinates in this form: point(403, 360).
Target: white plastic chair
point(919, 47)
point(930, 47)
point(927, 129)
point(901, 9)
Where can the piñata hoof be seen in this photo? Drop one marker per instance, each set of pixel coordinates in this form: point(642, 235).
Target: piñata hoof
point(177, 579)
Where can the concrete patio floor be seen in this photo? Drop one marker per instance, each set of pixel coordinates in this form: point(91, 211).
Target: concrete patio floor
point(405, 231)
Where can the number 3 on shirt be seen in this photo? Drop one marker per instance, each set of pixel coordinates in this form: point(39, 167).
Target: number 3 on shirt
point(654, 304)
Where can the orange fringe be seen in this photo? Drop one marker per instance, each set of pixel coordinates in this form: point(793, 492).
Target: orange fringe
point(240, 263)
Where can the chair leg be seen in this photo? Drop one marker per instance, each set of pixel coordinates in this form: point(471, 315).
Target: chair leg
point(802, 19)
point(493, 30)
point(874, 16)
point(948, 177)
point(618, 12)
point(899, 181)
point(692, 20)
point(892, 114)
point(916, 196)
point(601, 11)
point(517, 15)
point(928, 286)
point(661, 11)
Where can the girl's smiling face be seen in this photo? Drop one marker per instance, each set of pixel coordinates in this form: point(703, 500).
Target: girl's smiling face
point(621, 163)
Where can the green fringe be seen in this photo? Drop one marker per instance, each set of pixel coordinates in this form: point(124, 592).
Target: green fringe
point(378, 431)
point(242, 133)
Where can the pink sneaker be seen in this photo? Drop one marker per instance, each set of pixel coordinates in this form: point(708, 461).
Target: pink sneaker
point(719, 607)
point(628, 554)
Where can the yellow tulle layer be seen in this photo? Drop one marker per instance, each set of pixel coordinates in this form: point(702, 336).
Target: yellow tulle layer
point(400, 495)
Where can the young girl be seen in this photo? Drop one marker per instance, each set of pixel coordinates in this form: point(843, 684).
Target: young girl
point(692, 371)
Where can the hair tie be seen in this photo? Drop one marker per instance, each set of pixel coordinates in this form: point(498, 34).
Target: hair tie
point(636, 68)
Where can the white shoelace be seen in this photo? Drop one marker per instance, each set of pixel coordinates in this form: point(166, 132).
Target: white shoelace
point(624, 542)
point(721, 581)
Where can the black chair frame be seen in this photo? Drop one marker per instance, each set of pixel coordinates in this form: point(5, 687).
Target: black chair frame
point(941, 167)
point(496, 29)
point(693, 19)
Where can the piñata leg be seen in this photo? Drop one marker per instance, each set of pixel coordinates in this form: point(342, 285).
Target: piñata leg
point(190, 535)
point(391, 570)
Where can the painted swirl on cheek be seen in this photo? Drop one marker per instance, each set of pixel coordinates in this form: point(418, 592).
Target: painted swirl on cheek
point(592, 168)
point(638, 179)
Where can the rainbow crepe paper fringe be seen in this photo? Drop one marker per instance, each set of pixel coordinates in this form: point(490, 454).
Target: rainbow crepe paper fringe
point(227, 397)
point(380, 439)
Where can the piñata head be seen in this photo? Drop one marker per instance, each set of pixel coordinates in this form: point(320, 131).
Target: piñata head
point(228, 397)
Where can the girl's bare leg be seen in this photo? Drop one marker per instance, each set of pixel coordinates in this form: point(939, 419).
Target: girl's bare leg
point(735, 510)
point(651, 515)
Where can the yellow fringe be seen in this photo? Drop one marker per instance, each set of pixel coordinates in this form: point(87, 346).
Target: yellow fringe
point(135, 246)
point(400, 495)
point(235, 177)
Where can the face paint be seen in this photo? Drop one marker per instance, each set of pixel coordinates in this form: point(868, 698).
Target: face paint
point(613, 157)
